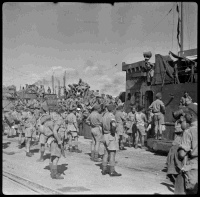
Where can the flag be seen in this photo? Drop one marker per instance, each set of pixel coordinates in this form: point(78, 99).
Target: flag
point(178, 26)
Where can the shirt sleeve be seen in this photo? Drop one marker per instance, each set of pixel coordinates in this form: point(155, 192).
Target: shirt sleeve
point(186, 141)
point(100, 118)
point(122, 116)
point(144, 118)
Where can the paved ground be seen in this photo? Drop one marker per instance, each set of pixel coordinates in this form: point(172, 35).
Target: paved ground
point(142, 171)
point(11, 187)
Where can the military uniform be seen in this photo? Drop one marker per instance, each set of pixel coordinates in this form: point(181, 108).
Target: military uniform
point(45, 127)
point(140, 119)
point(187, 179)
point(158, 109)
point(110, 140)
point(72, 130)
point(9, 119)
point(29, 126)
point(95, 122)
point(119, 117)
point(131, 127)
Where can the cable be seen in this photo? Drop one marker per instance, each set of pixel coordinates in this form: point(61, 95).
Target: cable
point(158, 23)
point(150, 31)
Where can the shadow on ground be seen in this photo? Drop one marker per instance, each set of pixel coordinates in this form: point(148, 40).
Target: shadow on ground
point(160, 153)
point(100, 156)
point(169, 186)
point(73, 189)
point(61, 168)
point(47, 156)
point(6, 145)
point(35, 150)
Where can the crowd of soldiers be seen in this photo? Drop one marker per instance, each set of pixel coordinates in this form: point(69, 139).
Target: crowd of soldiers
point(109, 124)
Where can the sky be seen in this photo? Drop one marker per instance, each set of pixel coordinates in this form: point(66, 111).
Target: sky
point(88, 41)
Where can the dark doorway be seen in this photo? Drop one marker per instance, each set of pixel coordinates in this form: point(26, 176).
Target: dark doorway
point(148, 98)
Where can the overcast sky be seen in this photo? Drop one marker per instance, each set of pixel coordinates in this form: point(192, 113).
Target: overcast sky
point(88, 40)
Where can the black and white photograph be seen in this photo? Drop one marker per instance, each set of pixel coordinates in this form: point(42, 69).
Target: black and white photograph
point(99, 98)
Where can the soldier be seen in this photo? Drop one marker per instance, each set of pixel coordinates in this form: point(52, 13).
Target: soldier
point(188, 152)
point(149, 67)
point(110, 140)
point(79, 117)
point(186, 99)
point(49, 90)
point(29, 125)
point(9, 119)
point(140, 120)
point(130, 124)
point(120, 119)
point(95, 122)
point(21, 129)
point(43, 119)
point(72, 130)
point(56, 149)
point(158, 109)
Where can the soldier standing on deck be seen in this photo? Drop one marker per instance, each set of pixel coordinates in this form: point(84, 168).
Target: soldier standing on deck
point(110, 140)
point(186, 99)
point(95, 122)
point(158, 109)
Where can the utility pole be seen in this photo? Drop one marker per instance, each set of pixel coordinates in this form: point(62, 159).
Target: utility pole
point(58, 88)
point(53, 84)
point(64, 79)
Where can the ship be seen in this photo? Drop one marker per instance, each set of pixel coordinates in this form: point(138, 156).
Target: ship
point(173, 74)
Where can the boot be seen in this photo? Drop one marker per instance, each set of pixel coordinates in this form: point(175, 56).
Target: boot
point(142, 143)
point(28, 154)
point(113, 172)
point(50, 167)
point(92, 155)
point(71, 149)
point(105, 170)
point(77, 150)
point(136, 146)
point(54, 174)
point(19, 146)
point(41, 159)
point(96, 157)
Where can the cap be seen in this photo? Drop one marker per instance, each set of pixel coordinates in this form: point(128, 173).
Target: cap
point(140, 108)
point(96, 107)
point(120, 106)
point(147, 55)
point(193, 108)
point(158, 95)
point(111, 107)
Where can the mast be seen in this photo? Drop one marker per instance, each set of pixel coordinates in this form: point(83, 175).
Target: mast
point(181, 33)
